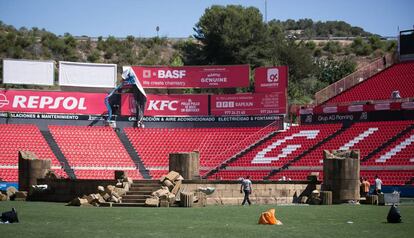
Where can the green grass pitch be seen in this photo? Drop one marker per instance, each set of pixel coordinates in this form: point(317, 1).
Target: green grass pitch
point(40, 219)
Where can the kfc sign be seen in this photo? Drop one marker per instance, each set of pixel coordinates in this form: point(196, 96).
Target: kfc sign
point(229, 76)
point(161, 105)
point(167, 105)
point(271, 79)
point(52, 102)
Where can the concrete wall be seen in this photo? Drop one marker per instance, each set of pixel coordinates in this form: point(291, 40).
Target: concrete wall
point(263, 192)
point(226, 192)
point(64, 190)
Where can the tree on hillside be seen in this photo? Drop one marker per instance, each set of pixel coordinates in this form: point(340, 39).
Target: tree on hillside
point(231, 35)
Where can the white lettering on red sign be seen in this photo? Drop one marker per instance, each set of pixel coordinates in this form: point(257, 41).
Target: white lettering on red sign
point(171, 74)
point(161, 105)
point(68, 103)
point(261, 158)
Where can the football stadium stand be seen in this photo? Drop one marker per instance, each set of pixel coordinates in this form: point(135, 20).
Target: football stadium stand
point(93, 152)
point(227, 151)
point(399, 77)
point(299, 150)
point(364, 136)
point(285, 146)
point(26, 137)
point(214, 144)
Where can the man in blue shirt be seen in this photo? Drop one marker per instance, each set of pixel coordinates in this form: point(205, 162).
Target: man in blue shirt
point(246, 187)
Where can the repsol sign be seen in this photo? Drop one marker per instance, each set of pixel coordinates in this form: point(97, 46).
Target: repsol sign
point(35, 102)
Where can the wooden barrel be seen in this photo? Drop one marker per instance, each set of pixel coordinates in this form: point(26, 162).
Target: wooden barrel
point(341, 175)
point(186, 199)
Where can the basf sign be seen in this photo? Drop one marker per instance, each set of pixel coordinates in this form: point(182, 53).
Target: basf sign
point(229, 76)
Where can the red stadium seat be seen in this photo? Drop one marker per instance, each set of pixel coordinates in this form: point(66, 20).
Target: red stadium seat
point(93, 152)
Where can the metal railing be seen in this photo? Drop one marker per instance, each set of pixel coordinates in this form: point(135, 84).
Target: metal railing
point(355, 78)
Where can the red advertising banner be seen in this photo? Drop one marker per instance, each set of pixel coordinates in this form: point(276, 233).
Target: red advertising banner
point(229, 76)
point(167, 105)
point(248, 104)
point(52, 102)
point(271, 79)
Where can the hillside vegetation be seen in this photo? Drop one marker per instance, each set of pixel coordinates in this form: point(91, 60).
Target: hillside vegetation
point(223, 35)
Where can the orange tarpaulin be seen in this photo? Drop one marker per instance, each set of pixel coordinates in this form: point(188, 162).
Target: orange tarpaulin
point(268, 218)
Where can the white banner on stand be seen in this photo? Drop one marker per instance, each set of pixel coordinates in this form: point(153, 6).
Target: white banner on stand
point(87, 74)
point(18, 71)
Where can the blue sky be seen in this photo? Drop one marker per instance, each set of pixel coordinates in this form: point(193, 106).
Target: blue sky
point(177, 18)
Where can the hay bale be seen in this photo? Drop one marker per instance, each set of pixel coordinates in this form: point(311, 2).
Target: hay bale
point(177, 187)
point(162, 178)
point(3, 197)
point(78, 202)
point(114, 194)
point(152, 202)
point(94, 199)
point(160, 192)
point(100, 198)
point(10, 192)
point(126, 186)
point(106, 197)
point(115, 199)
point(168, 184)
point(20, 196)
point(129, 180)
point(109, 189)
point(172, 175)
point(120, 191)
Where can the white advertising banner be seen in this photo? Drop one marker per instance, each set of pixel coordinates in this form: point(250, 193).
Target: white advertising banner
point(17, 71)
point(87, 75)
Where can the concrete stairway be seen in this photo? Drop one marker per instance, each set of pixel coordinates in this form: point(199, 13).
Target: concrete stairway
point(138, 192)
